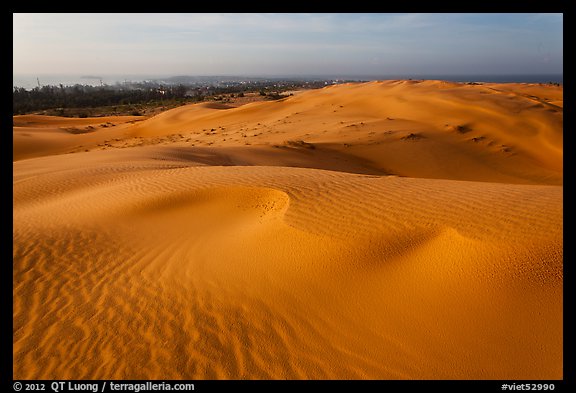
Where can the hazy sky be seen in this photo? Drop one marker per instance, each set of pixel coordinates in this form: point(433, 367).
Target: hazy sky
point(279, 44)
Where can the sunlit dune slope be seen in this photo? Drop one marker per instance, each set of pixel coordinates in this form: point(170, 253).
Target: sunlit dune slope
point(139, 265)
point(351, 238)
point(430, 129)
point(38, 135)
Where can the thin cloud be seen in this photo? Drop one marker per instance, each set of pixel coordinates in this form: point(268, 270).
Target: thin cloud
point(194, 43)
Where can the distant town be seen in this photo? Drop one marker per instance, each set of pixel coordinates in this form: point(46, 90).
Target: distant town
point(90, 96)
point(137, 97)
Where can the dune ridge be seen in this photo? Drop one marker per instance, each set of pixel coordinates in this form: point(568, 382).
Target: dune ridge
point(319, 251)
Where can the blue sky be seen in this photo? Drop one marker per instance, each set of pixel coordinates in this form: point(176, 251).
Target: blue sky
point(287, 44)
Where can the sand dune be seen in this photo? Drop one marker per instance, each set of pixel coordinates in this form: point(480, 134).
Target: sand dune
point(358, 231)
point(38, 135)
point(404, 128)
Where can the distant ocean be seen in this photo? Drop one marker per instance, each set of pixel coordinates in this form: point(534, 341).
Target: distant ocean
point(527, 78)
point(31, 81)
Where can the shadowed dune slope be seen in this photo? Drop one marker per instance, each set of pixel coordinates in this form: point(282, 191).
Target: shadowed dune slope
point(332, 255)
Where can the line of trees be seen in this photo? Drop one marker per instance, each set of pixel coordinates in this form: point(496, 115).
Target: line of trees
point(85, 96)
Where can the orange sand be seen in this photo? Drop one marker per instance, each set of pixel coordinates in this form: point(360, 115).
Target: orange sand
point(385, 230)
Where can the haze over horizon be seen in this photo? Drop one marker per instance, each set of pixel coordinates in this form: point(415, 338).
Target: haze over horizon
point(287, 44)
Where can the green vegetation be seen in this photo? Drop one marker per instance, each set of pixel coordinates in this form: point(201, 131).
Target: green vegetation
point(67, 101)
point(142, 98)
